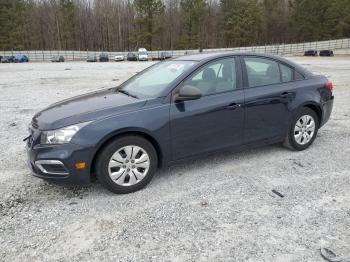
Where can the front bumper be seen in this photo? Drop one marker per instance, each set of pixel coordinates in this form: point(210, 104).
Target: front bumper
point(39, 158)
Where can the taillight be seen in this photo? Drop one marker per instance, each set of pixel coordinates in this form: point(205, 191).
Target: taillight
point(329, 86)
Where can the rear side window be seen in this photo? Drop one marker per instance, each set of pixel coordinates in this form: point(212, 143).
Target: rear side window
point(262, 71)
point(287, 73)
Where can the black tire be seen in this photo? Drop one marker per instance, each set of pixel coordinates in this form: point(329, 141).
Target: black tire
point(106, 153)
point(290, 141)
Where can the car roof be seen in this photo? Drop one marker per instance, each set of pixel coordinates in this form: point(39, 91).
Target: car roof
point(214, 55)
point(206, 57)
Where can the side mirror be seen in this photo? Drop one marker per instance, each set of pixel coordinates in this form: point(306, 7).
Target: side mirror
point(188, 93)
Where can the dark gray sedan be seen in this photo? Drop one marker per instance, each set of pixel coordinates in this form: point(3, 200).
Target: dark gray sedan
point(178, 109)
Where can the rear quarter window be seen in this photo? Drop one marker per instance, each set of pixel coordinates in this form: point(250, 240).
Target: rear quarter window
point(287, 73)
point(298, 76)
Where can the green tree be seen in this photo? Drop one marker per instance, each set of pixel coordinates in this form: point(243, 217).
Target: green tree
point(6, 23)
point(241, 21)
point(66, 24)
point(194, 13)
point(12, 24)
point(308, 20)
point(275, 21)
point(148, 13)
point(338, 17)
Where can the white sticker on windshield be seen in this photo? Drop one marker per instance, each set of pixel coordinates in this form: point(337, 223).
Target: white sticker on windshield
point(175, 67)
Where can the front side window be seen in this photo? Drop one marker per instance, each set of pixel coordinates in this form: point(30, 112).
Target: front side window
point(216, 77)
point(152, 82)
point(262, 71)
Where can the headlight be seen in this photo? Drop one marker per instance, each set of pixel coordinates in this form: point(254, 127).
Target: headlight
point(62, 135)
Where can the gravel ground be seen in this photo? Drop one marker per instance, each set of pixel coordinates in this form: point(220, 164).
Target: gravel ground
point(219, 208)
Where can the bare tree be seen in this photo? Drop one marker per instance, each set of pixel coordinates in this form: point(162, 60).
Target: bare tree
point(123, 25)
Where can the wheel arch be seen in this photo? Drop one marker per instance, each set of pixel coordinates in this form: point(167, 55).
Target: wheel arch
point(317, 109)
point(138, 132)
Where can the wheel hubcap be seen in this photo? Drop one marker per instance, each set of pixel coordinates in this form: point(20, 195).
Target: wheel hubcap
point(128, 165)
point(304, 129)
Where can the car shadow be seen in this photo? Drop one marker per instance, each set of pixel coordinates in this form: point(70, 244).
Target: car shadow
point(183, 168)
point(218, 158)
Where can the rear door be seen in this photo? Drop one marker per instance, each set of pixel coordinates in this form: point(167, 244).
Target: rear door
point(269, 92)
point(214, 121)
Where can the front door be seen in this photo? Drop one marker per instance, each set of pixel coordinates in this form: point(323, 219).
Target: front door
point(214, 121)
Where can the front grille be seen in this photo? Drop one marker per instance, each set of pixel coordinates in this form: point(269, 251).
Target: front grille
point(34, 135)
point(34, 125)
point(30, 141)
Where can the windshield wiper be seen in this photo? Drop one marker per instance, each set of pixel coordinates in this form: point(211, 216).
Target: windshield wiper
point(127, 93)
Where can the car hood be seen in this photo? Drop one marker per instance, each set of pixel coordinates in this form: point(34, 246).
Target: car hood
point(85, 108)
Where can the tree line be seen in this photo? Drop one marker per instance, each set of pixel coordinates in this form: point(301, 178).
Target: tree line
point(122, 25)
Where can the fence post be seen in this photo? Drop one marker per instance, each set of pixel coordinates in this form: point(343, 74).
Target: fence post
point(303, 47)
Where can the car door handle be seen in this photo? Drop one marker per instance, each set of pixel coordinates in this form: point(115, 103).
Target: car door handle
point(287, 95)
point(233, 106)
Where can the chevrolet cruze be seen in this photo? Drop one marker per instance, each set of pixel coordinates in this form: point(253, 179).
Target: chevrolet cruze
point(175, 110)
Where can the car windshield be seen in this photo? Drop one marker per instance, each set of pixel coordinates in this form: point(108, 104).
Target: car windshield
point(152, 82)
point(143, 53)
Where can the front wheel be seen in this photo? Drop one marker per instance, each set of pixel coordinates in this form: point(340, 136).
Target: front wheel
point(302, 130)
point(126, 164)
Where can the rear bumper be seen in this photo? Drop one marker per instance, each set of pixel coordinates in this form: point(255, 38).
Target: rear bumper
point(327, 108)
point(67, 155)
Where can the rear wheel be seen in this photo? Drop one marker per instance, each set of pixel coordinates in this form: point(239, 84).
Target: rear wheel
point(127, 164)
point(302, 130)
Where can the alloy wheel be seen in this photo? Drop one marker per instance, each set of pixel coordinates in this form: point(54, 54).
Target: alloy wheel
point(304, 129)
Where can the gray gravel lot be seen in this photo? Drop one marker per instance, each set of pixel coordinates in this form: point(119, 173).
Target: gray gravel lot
point(218, 208)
